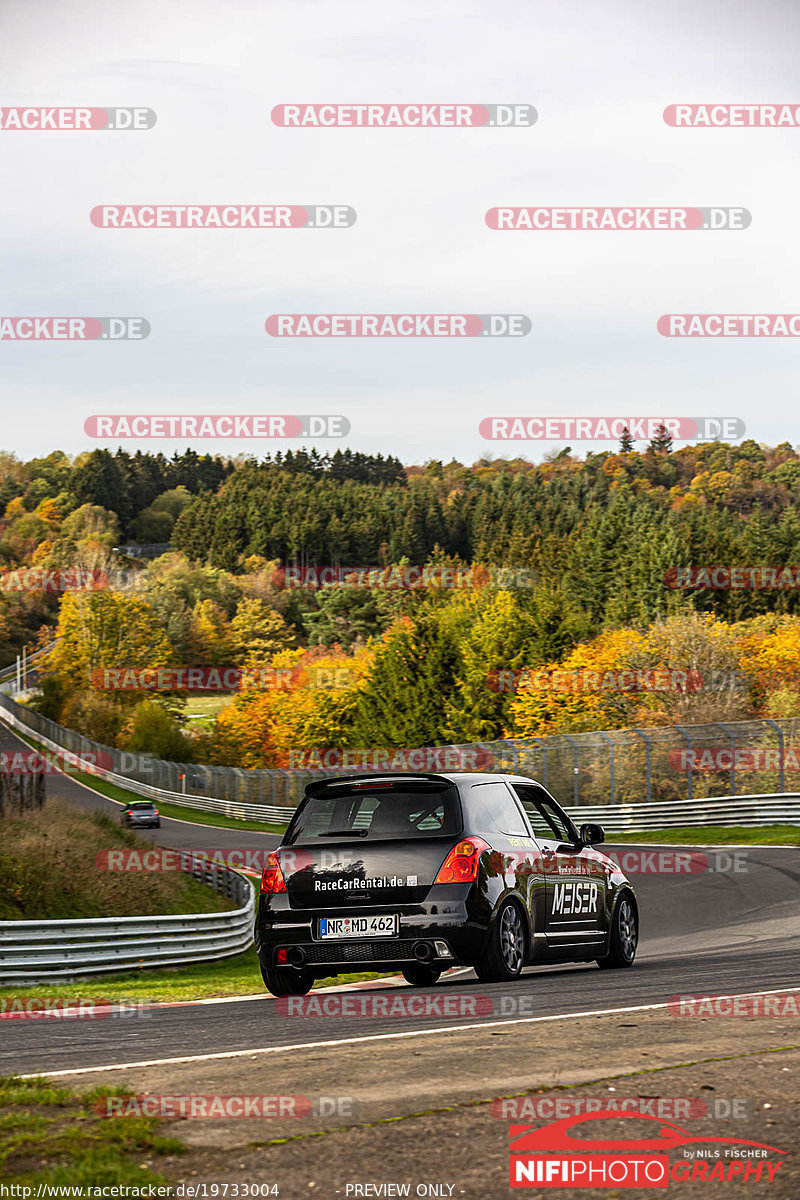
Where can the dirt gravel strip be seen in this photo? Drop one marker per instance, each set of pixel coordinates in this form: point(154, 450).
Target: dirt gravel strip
point(424, 1103)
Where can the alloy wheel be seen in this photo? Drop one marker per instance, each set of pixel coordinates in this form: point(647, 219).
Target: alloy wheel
point(628, 936)
point(511, 938)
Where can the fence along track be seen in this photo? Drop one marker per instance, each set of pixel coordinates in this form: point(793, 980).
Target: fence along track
point(521, 757)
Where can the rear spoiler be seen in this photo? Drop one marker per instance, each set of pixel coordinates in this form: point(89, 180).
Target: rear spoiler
point(321, 785)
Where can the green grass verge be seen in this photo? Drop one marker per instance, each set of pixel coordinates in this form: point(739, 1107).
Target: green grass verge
point(52, 1135)
point(716, 835)
point(238, 976)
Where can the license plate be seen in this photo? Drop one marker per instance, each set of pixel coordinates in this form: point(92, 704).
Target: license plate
point(357, 927)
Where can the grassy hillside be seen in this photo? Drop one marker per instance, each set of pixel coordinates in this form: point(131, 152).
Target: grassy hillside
point(48, 871)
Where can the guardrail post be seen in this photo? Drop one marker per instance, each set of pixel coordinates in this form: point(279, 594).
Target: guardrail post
point(648, 755)
point(603, 734)
point(732, 738)
point(689, 763)
point(574, 745)
point(545, 755)
point(779, 731)
point(511, 748)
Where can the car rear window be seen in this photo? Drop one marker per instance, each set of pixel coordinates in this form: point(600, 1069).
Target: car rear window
point(144, 805)
point(381, 813)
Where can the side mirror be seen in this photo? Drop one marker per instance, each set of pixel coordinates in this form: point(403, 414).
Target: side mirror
point(592, 835)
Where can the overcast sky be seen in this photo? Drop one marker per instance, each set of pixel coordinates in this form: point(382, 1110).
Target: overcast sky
point(599, 76)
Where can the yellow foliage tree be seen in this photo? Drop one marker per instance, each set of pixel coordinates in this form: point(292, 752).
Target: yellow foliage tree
point(579, 693)
point(302, 702)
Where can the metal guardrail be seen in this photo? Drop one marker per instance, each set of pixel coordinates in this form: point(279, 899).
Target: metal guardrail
point(44, 951)
point(11, 676)
point(751, 811)
point(268, 813)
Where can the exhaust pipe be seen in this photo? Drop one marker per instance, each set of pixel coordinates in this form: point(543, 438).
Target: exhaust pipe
point(297, 957)
point(423, 951)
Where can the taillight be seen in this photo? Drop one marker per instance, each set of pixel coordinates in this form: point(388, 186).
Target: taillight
point(155, 812)
point(272, 880)
point(461, 864)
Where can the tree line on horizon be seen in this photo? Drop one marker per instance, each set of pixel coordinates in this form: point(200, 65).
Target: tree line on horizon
point(597, 538)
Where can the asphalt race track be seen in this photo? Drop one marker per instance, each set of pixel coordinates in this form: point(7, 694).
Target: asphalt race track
point(732, 929)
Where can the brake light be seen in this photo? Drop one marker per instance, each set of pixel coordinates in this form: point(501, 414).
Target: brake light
point(272, 880)
point(461, 864)
point(155, 812)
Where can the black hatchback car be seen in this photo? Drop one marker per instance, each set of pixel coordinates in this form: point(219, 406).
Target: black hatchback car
point(421, 872)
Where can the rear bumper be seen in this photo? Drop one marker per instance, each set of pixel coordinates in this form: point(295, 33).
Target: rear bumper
point(444, 934)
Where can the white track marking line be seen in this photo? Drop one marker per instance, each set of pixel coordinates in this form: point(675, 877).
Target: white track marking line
point(383, 1037)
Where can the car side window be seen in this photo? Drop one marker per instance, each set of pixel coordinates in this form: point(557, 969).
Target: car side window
point(495, 809)
point(555, 818)
point(545, 819)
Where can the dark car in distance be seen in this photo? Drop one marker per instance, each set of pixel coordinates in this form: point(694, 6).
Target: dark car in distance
point(422, 872)
point(141, 814)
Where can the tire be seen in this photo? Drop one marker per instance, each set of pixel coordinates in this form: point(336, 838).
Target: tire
point(624, 935)
point(286, 981)
point(158, 824)
point(421, 975)
point(506, 951)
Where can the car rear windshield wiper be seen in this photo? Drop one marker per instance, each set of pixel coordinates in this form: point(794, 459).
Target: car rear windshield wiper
point(344, 833)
